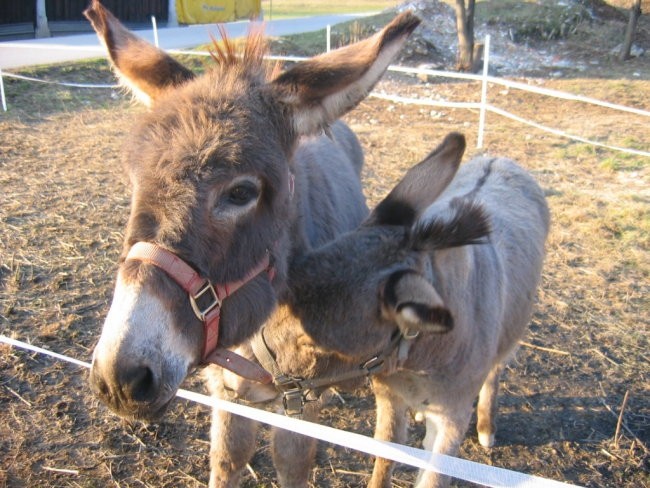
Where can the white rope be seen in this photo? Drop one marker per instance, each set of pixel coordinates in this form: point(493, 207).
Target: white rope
point(61, 83)
point(458, 468)
point(431, 103)
point(420, 101)
point(564, 134)
point(398, 99)
point(434, 72)
point(566, 96)
point(29, 347)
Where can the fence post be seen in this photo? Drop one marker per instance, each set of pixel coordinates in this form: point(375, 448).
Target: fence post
point(172, 15)
point(2, 92)
point(328, 30)
point(481, 120)
point(155, 30)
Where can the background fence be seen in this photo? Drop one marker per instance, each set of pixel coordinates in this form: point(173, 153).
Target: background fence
point(482, 104)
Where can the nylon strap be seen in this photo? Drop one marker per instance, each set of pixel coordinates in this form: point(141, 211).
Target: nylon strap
point(196, 286)
point(295, 390)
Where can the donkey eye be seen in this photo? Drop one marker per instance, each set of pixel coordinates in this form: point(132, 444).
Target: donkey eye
point(242, 194)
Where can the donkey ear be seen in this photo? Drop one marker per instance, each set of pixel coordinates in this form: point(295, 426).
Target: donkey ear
point(325, 87)
point(146, 70)
point(421, 185)
point(414, 304)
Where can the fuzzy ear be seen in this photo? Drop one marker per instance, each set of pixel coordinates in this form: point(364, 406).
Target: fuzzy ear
point(414, 304)
point(325, 87)
point(421, 185)
point(146, 70)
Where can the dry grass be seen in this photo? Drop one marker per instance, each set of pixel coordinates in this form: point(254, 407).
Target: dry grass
point(64, 205)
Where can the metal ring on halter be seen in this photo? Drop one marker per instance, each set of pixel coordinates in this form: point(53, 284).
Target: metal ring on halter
point(211, 293)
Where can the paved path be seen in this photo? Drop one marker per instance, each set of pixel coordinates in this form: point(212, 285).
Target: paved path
point(15, 54)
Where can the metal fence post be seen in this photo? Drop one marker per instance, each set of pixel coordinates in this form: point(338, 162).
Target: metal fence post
point(155, 30)
point(484, 81)
point(2, 92)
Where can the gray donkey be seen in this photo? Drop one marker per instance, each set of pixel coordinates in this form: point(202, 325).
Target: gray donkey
point(431, 293)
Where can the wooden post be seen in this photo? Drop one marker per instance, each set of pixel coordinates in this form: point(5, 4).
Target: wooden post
point(42, 29)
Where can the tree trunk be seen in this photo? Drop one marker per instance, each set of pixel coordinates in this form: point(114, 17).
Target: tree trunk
point(635, 13)
point(42, 29)
point(465, 29)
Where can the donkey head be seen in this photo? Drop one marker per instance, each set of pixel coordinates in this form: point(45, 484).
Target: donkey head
point(209, 166)
point(352, 293)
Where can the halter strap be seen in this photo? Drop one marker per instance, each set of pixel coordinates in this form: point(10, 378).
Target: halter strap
point(206, 299)
point(297, 391)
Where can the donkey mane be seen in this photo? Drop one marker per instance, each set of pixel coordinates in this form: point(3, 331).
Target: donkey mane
point(244, 59)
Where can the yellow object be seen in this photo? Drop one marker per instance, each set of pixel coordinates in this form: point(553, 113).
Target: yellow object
point(246, 9)
point(211, 11)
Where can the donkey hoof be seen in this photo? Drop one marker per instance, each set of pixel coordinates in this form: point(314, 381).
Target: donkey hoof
point(485, 439)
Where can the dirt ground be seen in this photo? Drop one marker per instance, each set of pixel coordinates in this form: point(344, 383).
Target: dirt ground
point(65, 202)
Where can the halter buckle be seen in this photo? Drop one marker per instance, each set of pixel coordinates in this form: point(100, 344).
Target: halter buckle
point(293, 402)
point(211, 294)
point(373, 364)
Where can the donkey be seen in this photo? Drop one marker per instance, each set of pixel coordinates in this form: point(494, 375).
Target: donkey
point(448, 263)
point(230, 178)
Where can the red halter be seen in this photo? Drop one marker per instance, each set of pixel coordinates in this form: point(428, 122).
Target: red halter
point(199, 288)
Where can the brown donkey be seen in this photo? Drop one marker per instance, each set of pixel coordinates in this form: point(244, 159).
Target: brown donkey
point(439, 281)
point(230, 179)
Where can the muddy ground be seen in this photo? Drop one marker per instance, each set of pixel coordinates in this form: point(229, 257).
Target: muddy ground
point(65, 202)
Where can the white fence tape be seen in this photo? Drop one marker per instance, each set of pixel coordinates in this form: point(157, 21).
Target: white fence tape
point(483, 106)
point(564, 134)
point(418, 101)
point(565, 96)
point(60, 83)
point(424, 102)
point(458, 468)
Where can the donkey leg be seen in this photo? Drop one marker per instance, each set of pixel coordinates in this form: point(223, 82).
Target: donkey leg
point(486, 409)
point(232, 440)
point(444, 435)
point(232, 446)
point(391, 425)
point(293, 454)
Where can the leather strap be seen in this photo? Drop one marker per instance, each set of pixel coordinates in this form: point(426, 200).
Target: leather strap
point(295, 390)
point(201, 289)
point(240, 365)
point(174, 266)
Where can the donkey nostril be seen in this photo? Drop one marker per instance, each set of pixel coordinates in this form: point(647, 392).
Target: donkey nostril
point(139, 384)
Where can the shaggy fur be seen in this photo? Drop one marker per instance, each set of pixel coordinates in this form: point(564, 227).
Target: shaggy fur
point(462, 275)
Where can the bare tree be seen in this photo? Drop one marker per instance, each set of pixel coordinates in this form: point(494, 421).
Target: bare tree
point(465, 26)
point(635, 13)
